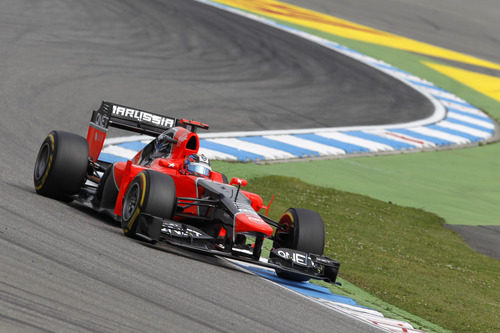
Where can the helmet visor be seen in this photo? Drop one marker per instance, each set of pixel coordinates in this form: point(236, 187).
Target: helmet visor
point(199, 169)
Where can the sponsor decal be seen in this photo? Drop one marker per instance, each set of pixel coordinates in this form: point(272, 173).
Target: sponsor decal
point(203, 158)
point(254, 218)
point(298, 258)
point(101, 119)
point(99, 137)
point(142, 116)
point(183, 137)
point(249, 212)
point(173, 230)
point(243, 207)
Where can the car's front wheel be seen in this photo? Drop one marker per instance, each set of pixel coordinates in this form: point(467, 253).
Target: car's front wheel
point(302, 230)
point(152, 193)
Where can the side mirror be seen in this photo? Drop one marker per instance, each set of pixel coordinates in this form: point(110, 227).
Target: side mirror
point(238, 182)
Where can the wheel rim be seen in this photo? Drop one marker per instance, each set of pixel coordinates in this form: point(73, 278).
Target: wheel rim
point(131, 201)
point(285, 237)
point(42, 161)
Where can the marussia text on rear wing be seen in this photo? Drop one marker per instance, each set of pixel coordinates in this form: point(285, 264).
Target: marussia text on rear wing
point(123, 117)
point(130, 119)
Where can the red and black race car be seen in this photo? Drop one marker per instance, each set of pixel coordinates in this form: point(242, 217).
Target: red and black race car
point(168, 193)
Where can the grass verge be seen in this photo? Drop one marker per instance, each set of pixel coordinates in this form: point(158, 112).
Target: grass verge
point(404, 256)
point(459, 185)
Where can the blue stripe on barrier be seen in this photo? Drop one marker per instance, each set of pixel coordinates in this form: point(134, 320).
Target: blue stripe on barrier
point(294, 150)
point(456, 102)
point(426, 85)
point(134, 145)
point(391, 68)
point(343, 48)
point(416, 135)
point(347, 147)
point(464, 123)
point(472, 115)
point(464, 135)
point(110, 158)
point(305, 288)
point(241, 155)
point(373, 137)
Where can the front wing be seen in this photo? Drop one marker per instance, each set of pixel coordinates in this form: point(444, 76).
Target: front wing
point(283, 260)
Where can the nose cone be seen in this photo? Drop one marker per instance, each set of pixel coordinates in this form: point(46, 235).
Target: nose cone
point(245, 222)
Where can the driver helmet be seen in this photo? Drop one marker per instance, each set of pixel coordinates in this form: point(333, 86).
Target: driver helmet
point(197, 165)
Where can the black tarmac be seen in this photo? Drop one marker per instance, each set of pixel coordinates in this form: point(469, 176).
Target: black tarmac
point(64, 268)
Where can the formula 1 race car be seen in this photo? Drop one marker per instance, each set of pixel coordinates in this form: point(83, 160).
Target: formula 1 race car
point(168, 193)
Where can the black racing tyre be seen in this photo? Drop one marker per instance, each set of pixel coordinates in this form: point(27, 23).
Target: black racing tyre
point(61, 165)
point(107, 192)
point(305, 231)
point(150, 192)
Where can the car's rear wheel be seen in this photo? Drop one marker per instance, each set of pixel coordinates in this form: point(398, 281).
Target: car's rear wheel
point(61, 165)
point(152, 193)
point(303, 230)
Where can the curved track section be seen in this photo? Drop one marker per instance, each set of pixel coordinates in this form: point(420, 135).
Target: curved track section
point(453, 123)
point(464, 26)
point(66, 269)
point(186, 59)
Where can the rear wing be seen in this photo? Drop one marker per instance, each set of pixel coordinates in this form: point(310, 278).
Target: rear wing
point(130, 119)
point(123, 117)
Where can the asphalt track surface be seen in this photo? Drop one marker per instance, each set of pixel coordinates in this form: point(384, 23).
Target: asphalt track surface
point(469, 27)
point(66, 269)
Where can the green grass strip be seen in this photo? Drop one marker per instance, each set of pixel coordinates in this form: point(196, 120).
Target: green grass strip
point(460, 185)
point(400, 255)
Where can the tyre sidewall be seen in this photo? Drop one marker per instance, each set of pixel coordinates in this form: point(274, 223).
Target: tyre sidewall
point(43, 165)
point(156, 197)
point(309, 231)
point(66, 167)
point(306, 234)
point(131, 213)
